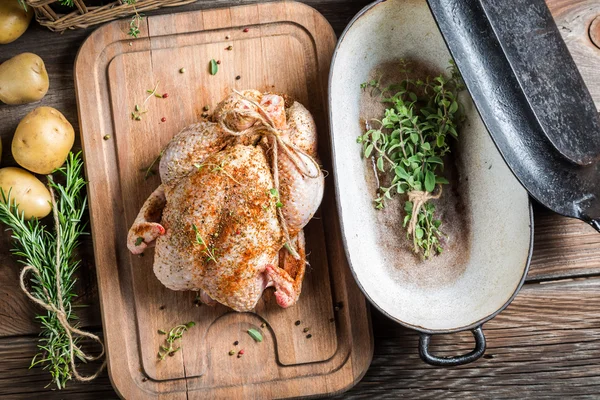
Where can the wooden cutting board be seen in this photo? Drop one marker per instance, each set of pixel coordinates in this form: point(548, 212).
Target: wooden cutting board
point(287, 48)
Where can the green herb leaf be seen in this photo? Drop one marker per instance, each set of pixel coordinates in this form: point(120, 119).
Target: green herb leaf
point(419, 233)
point(429, 181)
point(453, 107)
point(435, 160)
point(139, 241)
point(214, 67)
point(254, 334)
point(380, 164)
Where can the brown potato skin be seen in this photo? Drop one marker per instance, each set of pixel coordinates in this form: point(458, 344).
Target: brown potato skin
point(14, 20)
point(30, 194)
point(42, 140)
point(23, 79)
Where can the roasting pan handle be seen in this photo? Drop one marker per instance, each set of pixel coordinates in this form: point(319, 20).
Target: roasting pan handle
point(425, 339)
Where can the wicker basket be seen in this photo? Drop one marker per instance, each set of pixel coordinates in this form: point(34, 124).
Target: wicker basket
point(83, 16)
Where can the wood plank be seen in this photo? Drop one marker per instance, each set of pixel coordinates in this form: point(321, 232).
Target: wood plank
point(563, 247)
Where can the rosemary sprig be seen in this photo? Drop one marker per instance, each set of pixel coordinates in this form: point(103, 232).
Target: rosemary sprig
point(23, 4)
point(35, 245)
point(410, 143)
point(174, 334)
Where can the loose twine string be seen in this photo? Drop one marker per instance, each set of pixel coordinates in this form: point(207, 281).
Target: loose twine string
point(292, 151)
point(60, 312)
point(418, 199)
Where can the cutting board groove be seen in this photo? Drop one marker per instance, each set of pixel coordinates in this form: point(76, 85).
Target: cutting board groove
point(287, 48)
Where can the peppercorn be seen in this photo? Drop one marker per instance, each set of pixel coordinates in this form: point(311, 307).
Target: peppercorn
point(297, 322)
point(231, 352)
point(163, 119)
point(236, 343)
point(237, 78)
point(165, 95)
point(106, 137)
point(218, 61)
point(246, 29)
point(181, 70)
point(308, 336)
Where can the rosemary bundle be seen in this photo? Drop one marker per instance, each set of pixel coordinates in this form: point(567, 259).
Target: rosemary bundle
point(409, 145)
point(45, 251)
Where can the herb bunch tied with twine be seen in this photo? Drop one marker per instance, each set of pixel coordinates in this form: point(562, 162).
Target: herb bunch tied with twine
point(49, 258)
point(409, 145)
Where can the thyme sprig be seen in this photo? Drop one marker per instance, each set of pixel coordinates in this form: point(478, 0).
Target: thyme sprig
point(209, 252)
point(173, 335)
point(217, 168)
point(138, 110)
point(134, 23)
point(35, 245)
point(410, 143)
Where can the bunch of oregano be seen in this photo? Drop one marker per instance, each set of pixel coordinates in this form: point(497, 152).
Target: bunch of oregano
point(410, 143)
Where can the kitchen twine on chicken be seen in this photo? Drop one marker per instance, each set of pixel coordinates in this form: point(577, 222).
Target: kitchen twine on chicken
point(60, 310)
point(292, 151)
point(418, 199)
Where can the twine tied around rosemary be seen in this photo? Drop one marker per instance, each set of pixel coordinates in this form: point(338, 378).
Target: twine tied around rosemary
point(418, 199)
point(291, 151)
point(60, 312)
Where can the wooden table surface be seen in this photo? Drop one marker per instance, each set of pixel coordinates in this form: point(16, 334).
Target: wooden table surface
point(545, 344)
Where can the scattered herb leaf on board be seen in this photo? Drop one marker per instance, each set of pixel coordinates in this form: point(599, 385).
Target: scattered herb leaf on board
point(173, 335)
point(35, 245)
point(409, 146)
point(255, 334)
point(214, 67)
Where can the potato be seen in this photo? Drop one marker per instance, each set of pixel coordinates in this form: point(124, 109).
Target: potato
point(14, 20)
point(42, 140)
point(30, 195)
point(23, 79)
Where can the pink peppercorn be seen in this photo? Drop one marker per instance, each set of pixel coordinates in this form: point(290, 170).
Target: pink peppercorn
point(165, 95)
point(246, 29)
point(163, 119)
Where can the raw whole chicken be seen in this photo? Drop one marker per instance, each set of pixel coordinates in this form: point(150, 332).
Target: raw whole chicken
point(236, 193)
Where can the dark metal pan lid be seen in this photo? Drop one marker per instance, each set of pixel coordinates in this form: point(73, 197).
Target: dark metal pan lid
point(531, 97)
